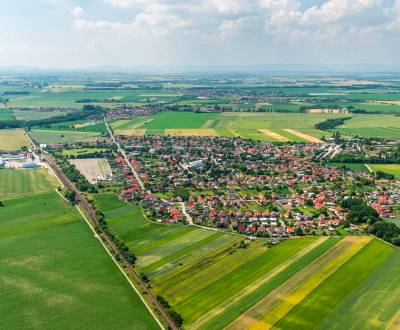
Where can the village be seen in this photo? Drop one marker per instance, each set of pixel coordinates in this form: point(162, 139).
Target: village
point(253, 188)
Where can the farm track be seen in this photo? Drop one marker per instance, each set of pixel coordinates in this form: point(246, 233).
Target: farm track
point(254, 286)
point(89, 212)
point(279, 302)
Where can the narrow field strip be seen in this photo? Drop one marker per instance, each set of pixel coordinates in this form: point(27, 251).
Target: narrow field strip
point(130, 132)
point(316, 309)
point(306, 137)
point(255, 285)
point(244, 305)
point(373, 303)
point(274, 135)
point(277, 304)
point(178, 284)
point(395, 323)
point(190, 132)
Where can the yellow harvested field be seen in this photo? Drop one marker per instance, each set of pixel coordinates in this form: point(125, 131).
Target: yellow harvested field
point(306, 137)
point(279, 302)
point(130, 132)
point(208, 123)
point(274, 135)
point(254, 286)
point(13, 139)
point(191, 132)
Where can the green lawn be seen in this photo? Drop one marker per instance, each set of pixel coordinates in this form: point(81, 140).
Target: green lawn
point(387, 168)
point(14, 182)
point(54, 274)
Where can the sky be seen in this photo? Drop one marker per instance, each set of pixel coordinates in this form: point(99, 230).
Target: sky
point(72, 34)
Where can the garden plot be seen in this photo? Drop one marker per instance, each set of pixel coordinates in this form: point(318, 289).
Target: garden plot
point(93, 169)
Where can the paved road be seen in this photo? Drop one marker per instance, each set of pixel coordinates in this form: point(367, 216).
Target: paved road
point(123, 153)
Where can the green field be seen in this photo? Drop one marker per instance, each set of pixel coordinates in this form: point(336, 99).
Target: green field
point(385, 126)
point(12, 139)
point(49, 136)
point(67, 98)
point(36, 115)
point(179, 120)
point(54, 274)
point(82, 151)
point(16, 182)
point(184, 266)
point(5, 114)
point(243, 124)
point(357, 167)
point(387, 168)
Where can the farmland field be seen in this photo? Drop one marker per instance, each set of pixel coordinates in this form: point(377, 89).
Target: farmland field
point(351, 166)
point(387, 168)
point(244, 124)
point(49, 137)
point(54, 274)
point(184, 266)
point(5, 114)
point(92, 168)
point(35, 115)
point(12, 139)
point(15, 182)
point(179, 120)
point(82, 151)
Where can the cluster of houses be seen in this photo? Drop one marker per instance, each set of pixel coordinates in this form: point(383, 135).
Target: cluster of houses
point(255, 188)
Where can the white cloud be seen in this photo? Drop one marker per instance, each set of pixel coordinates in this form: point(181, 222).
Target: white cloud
point(122, 3)
point(78, 11)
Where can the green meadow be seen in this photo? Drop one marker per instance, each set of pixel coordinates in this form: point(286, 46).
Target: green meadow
point(16, 182)
point(56, 275)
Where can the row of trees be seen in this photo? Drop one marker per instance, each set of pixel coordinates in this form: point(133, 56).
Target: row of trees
point(331, 123)
point(360, 212)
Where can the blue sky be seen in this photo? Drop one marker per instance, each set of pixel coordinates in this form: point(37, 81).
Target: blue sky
point(88, 33)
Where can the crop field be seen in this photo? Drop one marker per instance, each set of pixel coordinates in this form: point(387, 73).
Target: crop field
point(16, 182)
point(130, 132)
point(93, 168)
point(12, 139)
point(385, 126)
point(49, 136)
point(36, 115)
point(82, 152)
point(179, 120)
point(68, 98)
point(259, 287)
point(191, 132)
point(387, 168)
point(53, 270)
point(271, 127)
point(351, 166)
point(5, 114)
